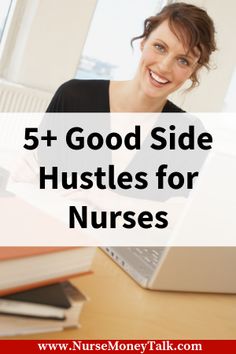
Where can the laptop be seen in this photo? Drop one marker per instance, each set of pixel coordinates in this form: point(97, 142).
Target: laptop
point(198, 269)
point(195, 269)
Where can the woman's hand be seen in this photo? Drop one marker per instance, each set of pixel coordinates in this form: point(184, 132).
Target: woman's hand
point(100, 199)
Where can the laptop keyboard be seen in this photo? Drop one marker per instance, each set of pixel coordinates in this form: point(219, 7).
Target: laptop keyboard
point(149, 255)
point(139, 262)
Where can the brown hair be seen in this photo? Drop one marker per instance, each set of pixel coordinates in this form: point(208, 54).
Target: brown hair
point(191, 25)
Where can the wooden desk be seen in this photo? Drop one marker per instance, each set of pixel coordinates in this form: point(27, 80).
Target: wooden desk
point(119, 308)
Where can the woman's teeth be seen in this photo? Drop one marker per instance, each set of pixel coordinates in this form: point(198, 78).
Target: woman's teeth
point(157, 78)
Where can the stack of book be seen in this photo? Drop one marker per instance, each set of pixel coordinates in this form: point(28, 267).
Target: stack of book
point(35, 293)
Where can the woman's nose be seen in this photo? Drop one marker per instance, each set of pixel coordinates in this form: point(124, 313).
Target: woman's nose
point(165, 64)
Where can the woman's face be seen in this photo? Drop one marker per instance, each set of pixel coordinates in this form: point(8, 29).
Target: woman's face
point(165, 64)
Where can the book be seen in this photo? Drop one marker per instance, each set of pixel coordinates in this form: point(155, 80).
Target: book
point(25, 268)
point(16, 325)
point(52, 295)
point(44, 302)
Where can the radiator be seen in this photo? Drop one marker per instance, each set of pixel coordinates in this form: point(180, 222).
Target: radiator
point(17, 98)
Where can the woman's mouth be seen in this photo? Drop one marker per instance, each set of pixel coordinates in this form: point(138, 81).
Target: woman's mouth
point(157, 80)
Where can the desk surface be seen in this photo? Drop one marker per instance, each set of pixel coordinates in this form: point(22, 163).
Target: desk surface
point(119, 308)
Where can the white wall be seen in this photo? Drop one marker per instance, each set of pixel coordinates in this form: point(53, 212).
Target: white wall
point(209, 96)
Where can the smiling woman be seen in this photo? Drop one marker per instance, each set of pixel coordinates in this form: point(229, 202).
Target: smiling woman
point(165, 63)
point(188, 29)
point(175, 44)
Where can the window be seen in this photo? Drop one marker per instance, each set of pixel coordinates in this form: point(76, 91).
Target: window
point(229, 102)
point(107, 53)
point(5, 8)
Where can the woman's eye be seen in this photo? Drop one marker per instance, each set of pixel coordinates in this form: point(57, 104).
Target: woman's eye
point(160, 48)
point(183, 61)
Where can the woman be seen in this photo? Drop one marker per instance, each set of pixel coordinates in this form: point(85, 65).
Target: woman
point(175, 45)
